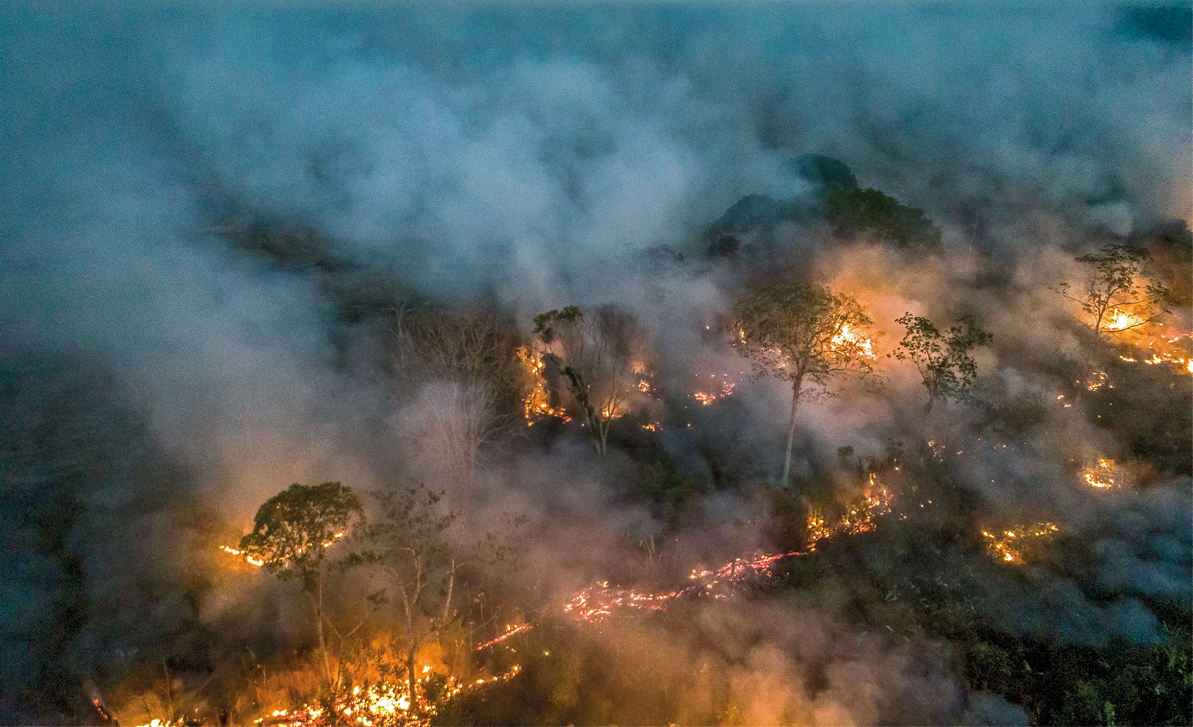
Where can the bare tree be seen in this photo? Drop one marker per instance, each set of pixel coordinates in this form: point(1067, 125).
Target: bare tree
point(407, 540)
point(596, 356)
point(464, 365)
point(1112, 298)
point(798, 333)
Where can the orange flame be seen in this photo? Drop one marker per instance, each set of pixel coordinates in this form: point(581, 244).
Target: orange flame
point(1102, 476)
point(1010, 544)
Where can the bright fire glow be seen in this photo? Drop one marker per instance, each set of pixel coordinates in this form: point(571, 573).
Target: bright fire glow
point(1103, 476)
point(1156, 342)
point(382, 704)
point(537, 404)
point(599, 602)
point(258, 562)
point(854, 340)
point(1120, 320)
point(1166, 348)
point(251, 560)
point(706, 398)
point(1008, 546)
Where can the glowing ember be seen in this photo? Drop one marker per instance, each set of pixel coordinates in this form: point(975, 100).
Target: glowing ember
point(258, 562)
point(707, 398)
point(386, 704)
point(1173, 349)
point(599, 602)
point(510, 632)
point(1096, 381)
point(859, 516)
point(382, 704)
point(1008, 546)
point(251, 560)
point(1102, 476)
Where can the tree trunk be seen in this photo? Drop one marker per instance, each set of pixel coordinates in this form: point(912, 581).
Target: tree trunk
point(602, 441)
point(410, 647)
point(319, 630)
point(447, 601)
point(169, 689)
point(795, 387)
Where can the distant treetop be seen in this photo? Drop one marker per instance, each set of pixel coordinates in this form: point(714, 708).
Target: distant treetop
point(823, 171)
point(851, 211)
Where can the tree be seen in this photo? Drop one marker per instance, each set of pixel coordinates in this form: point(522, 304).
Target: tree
point(464, 365)
point(596, 357)
point(855, 211)
point(407, 542)
point(290, 537)
point(943, 359)
point(803, 333)
point(1112, 298)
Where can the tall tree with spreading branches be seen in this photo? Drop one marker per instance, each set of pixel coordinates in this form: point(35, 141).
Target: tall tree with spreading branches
point(407, 541)
point(1113, 296)
point(943, 359)
point(291, 534)
point(803, 334)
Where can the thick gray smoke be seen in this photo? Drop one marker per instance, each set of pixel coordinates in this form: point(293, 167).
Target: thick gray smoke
point(209, 215)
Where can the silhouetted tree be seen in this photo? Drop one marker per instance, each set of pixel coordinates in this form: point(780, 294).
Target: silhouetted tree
point(803, 333)
point(290, 537)
point(407, 541)
point(596, 357)
point(855, 211)
point(1113, 298)
point(943, 359)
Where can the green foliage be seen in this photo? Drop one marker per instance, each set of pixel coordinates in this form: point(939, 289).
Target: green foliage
point(925, 579)
point(546, 323)
point(293, 528)
point(853, 211)
point(1111, 290)
point(943, 359)
point(408, 522)
point(291, 534)
point(797, 332)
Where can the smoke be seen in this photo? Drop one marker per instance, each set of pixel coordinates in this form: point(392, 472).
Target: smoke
point(208, 214)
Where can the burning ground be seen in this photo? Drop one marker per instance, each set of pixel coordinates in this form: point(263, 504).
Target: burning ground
point(486, 266)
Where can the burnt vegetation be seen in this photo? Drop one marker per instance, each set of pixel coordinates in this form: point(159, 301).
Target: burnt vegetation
point(899, 543)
